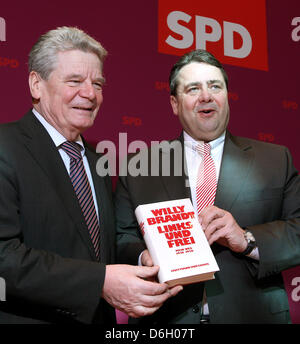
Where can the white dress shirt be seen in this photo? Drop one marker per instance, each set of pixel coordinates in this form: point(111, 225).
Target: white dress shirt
point(59, 139)
point(193, 159)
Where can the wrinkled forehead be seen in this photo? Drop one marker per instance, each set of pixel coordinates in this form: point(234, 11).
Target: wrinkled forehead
point(77, 62)
point(77, 56)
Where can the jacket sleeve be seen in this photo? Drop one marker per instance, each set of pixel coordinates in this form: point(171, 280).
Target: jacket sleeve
point(279, 241)
point(130, 243)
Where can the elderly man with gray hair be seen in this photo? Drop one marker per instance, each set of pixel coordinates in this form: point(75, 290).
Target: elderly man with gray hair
point(57, 232)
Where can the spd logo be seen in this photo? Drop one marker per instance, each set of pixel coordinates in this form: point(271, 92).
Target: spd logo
point(233, 30)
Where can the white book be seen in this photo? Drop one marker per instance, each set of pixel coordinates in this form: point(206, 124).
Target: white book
point(176, 242)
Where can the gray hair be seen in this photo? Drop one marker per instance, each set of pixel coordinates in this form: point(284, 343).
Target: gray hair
point(43, 55)
point(199, 55)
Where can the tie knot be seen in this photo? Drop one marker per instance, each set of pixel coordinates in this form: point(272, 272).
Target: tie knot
point(203, 149)
point(73, 149)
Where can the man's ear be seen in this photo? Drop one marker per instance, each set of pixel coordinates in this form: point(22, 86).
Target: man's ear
point(35, 82)
point(174, 104)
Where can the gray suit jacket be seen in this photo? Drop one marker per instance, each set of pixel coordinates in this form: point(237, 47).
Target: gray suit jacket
point(259, 185)
point(46, 255)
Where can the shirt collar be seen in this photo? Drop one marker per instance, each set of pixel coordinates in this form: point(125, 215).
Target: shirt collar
point(191, 143)
point(55, 135)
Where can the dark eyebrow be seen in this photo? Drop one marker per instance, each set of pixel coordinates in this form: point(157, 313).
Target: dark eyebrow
point(209, 82)
point(196, 83)
point(217, 81)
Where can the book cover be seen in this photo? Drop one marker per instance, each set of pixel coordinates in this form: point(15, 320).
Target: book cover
point(176, 242)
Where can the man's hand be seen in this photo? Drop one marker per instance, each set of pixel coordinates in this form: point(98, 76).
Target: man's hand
point(127, 289)
point(220, 226)
point(146, 260)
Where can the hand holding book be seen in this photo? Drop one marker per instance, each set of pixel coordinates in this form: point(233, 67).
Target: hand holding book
point(176, 242)
point(220, 226)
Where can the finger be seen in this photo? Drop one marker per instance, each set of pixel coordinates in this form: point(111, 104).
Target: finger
point(206, 216)
point(175, 290)
point(218, 235)
point(145, 304)
point(150, 304)
point(146, 271)
point(156, 300)
point(141, 311)
point(209, 214)
point(213, 226)
point(154, 288)
point(145, 284)
point(169, 291)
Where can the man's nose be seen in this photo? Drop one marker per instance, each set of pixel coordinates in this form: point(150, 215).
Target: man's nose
point(205, 95)
point(87, 90)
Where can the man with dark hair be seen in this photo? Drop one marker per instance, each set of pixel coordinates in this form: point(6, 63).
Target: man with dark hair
point(57, 229)
point(246, 193)
point(200, 56)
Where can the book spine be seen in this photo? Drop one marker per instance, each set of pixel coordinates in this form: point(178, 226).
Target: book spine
point(144, 228)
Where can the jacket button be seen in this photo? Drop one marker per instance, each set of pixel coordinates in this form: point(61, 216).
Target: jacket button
point(195, 309)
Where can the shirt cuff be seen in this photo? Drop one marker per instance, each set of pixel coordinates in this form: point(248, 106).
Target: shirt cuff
point(254, 254)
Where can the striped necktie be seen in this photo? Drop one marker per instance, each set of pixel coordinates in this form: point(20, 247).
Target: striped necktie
point(83, 191)
point(206, 186)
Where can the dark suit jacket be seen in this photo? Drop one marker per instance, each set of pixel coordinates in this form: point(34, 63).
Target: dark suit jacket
point(259, 185)
point(46, 254)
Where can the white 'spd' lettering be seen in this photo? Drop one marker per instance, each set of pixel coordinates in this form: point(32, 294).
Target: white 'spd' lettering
point(202, 35)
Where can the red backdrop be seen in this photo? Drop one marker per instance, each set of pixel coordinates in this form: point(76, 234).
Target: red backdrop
point(264, 85)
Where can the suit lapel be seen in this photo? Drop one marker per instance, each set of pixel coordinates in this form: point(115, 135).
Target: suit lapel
point(46, 155)
point(176, 183)
point(236, 161)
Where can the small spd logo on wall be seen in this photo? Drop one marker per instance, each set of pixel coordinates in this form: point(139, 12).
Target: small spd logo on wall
point(233, 30)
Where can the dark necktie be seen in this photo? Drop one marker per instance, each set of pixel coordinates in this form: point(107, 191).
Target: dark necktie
point(83, 191)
